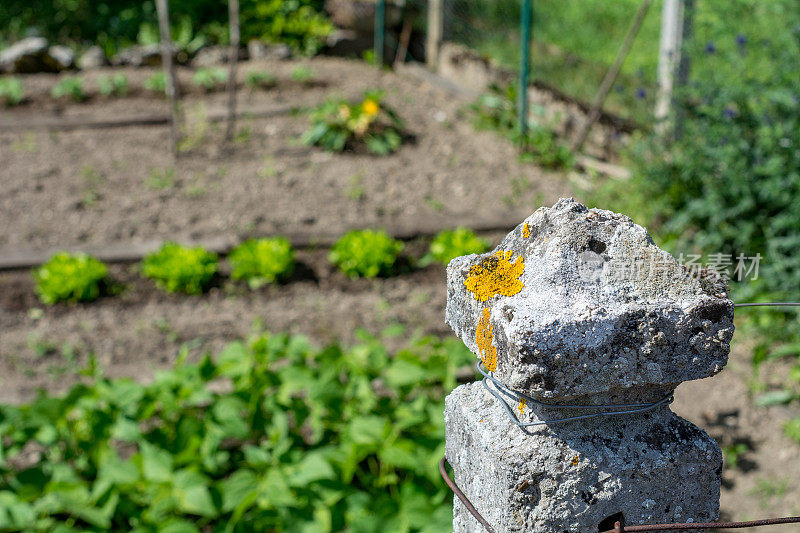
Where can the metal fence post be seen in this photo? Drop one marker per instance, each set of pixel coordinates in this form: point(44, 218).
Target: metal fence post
point(380, 31)
point(525, 56)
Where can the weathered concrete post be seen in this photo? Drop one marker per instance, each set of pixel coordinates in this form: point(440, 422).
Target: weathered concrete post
point(578, 307)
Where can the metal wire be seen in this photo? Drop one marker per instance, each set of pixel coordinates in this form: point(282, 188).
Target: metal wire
point(769, 304)
point(619, 528)
point(607, 409)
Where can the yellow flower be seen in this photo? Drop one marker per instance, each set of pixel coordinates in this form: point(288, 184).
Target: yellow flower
point(495, 275)
point(484, 337)
point(370, 107)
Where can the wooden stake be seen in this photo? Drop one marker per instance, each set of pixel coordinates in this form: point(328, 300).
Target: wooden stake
point(233, 20)
point(169, 72)
point(611, 75)
point(405, 36)
point(669, 56)
point(434, 33)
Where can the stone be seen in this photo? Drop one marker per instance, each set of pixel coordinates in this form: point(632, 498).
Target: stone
point(648, 468)
point(61, 57)
point(148, 55)
point(26, 56)
point(93, 57)
point(575, 312)
point(577, 302)
point(259, 50)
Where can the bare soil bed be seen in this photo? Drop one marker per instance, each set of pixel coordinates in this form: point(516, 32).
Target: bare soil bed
point(98, 186)
point(93, 187)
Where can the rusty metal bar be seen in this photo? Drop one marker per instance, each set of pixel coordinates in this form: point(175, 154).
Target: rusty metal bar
point(461, 496)
point(618, 527)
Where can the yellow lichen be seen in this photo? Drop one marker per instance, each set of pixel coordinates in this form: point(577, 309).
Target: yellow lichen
point(575, 461)
point(495, 275)
point(526, 231)
point(521, 406)
point(484, 338)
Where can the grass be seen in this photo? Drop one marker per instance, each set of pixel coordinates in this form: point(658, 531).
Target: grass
point(575, 41)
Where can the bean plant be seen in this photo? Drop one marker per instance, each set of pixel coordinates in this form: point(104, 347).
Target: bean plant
point(298, 439)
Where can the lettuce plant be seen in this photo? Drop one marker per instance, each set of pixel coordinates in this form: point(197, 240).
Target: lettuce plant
point(262, 261)
point(449, 244)
point(70, 277)
point(176, 268)
point(365, 253)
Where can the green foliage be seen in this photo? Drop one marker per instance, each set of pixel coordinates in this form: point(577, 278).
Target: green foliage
point(299, 439)
point(116, 84)
point(338, 124)
point(210, 78)
point(259, 79)
point(497, 110)
point(733, 452)
point(156, 82)
point(71, 87)
point(67, 277)
point(11, 91)
point(177, 268)
point(365, 253)
point(299, 23)
point(449, 244)
point(262, 261)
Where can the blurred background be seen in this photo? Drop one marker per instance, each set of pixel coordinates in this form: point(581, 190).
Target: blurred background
point(224, 230)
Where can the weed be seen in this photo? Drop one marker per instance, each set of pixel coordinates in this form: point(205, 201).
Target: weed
point(159, 179)
point(71, 87)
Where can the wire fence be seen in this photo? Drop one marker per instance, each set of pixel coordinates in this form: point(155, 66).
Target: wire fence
point(575, 42)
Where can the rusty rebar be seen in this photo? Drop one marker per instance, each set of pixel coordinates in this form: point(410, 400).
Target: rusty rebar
point(461, 496)
point(618, 527)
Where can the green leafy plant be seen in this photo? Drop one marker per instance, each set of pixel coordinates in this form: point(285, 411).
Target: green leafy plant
point(156, 82)
point(302, 74)
point(210, 78)
point(176, 268)
point(497, 110)
point(11, 91)
point(259, 79)
point(262, 261)
point(70, 277)
point(365, 253)
point(287, 445)
point(71, 87)
point(116, 84)
point(449, 244)
point(301, 24)
point(161, 178)
point(338, 124)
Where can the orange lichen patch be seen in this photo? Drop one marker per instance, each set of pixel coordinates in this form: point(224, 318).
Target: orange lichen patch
point(521, 406)
point(484, 339)
point(575, 461)
point(495, 275)
point(526, 230)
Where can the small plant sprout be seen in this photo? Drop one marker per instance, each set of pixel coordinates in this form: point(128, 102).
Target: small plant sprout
point(338, 124)
point(176, 268)
point(262, 261)
point(210, 78)
point(302, 74)
point(259, 79)
point(71, 87)
point(365, 253)
point(157, 83)
point(11, 91)
point(116, 85)
point(70, 277)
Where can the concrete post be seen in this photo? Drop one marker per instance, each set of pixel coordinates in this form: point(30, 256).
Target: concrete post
point(578, 306)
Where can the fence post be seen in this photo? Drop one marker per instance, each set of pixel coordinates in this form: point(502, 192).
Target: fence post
point(435, 29)
point(669, 56)
point(162, 7)
point(584, 328)
point(524, 65)
point(233, 22)
point(380, 31)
